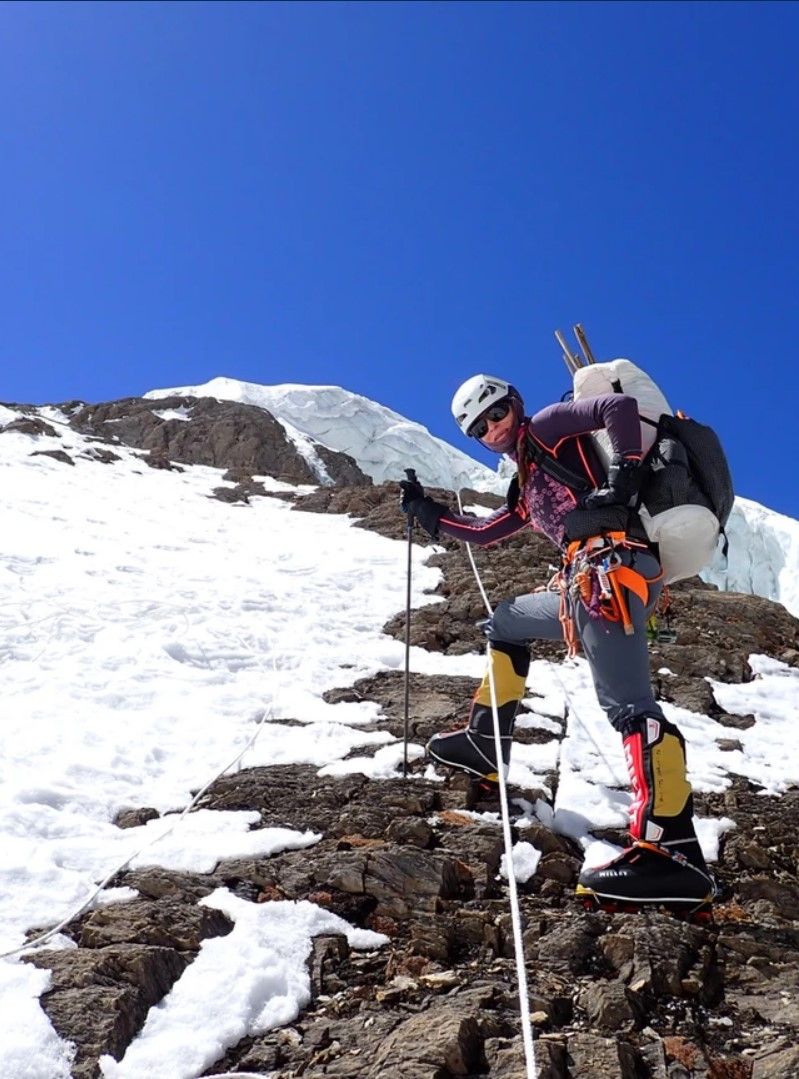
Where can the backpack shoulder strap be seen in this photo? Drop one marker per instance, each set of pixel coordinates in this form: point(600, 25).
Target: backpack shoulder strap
point(548, 463)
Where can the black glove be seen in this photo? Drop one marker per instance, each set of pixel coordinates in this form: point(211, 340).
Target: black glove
point(624, 479)
point(580, 524)
point(411, 491)
point(416, 503)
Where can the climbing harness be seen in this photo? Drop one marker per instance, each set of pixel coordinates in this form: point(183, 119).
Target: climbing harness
point(594, 574)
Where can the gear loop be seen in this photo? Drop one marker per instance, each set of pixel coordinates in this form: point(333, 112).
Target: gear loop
point(595, 574)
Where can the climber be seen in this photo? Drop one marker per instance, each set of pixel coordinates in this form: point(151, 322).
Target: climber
point(604, 594)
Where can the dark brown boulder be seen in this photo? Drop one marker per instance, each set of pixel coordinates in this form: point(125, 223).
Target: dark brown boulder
point(57, 455)
point(99, 998)
point(30, 425)
point(441, 1042)
point(167, 922)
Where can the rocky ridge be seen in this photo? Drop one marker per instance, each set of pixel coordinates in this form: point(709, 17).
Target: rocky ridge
point(623, 996)
point(245, 440)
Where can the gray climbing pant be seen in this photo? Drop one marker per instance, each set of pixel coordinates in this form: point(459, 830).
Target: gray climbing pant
point(619, 663)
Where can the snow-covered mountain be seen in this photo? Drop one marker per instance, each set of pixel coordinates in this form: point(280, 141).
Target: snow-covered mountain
point(150, 635)
point(763, 555)
point(763, 549)
point(382, 442)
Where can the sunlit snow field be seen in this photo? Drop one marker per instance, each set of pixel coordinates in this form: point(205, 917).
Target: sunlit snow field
point(147, 632)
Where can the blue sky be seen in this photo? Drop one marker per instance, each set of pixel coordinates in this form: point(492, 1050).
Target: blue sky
point(391, 197)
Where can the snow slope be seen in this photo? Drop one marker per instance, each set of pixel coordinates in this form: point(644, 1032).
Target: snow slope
point(147, 632)
point(764, 546)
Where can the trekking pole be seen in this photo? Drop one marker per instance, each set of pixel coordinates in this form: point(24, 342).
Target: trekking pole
point(582, 340)
point(411, 474)
point(571, 360)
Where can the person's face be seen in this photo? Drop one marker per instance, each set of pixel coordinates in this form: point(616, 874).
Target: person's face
point(495, 425)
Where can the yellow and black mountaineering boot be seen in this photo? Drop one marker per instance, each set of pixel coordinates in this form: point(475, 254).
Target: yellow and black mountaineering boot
point(664, 866)
point(472, 748)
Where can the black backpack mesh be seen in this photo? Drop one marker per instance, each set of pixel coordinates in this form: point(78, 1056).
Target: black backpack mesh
point(687, 465)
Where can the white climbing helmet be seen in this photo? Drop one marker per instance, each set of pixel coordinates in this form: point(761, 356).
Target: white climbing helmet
point(476, 395)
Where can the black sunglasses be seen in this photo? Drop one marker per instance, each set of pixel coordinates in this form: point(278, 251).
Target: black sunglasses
point(496, 413)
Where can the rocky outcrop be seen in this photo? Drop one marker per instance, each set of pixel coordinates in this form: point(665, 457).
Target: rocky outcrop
point(30, 425)
point(57, 455)
point(610, 997)
point(628, 996)
point(100, 998)
point(127, 958)
point(221, 434)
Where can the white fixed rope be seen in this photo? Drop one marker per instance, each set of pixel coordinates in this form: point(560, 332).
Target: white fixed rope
point(513, 895)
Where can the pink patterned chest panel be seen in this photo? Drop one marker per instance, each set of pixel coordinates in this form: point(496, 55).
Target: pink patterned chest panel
point(547, 503)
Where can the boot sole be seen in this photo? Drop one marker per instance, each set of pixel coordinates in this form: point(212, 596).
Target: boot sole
point(697, 911)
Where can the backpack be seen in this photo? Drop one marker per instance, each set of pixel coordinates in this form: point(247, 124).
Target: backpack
point(687, 493)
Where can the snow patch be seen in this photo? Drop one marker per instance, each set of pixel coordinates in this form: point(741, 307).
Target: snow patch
point(29, 1046)
point(525, 862)
point(385, 764)
point(181, 413)
point(256, 976)
point(306, 447)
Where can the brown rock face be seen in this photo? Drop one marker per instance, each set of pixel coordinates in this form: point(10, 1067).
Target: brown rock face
point(31, 425)
point(611, 996)
point(440, 1040)
point(614, 996)
point(128, 958)
point(222, 434)
point(165, 923)
point(100, 998)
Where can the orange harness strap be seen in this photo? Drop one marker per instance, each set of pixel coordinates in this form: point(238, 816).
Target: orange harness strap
point(621, 604)
point(567, 622)
point(632, 580)
point(620, 578)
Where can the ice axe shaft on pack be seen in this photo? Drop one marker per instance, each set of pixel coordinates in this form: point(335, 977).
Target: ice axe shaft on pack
point(571, 359)
point(582, 340)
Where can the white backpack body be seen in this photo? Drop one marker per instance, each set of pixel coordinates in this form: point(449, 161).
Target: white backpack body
point(687, 534)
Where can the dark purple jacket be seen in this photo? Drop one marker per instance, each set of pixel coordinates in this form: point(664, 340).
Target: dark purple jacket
point(563, 430)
